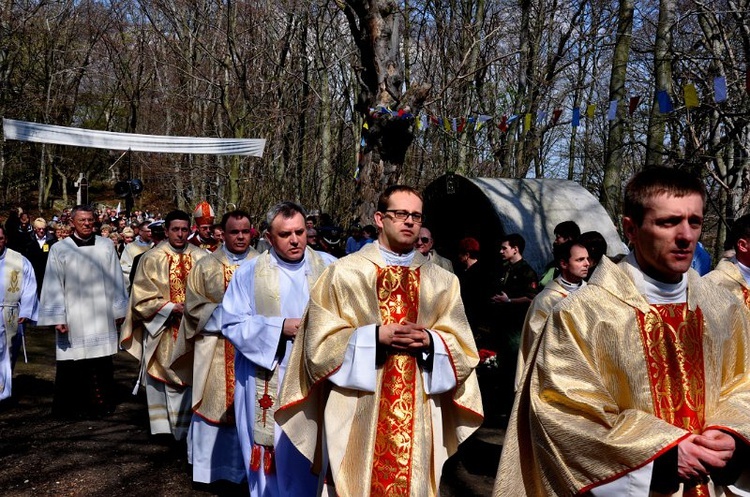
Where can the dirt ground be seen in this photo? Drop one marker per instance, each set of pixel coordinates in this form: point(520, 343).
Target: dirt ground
point(40, 455)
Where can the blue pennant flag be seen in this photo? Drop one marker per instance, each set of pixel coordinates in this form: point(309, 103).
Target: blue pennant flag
point(665, 103)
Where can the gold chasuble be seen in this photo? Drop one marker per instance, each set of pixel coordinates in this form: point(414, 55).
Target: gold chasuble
point(728, 275)
point(160, 278)
point(394, 440)
point(615, 383)
point(210, 355)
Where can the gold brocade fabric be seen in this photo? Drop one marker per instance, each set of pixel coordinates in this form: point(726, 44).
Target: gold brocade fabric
point(398, 291)
point(344, 299)
point(727, 275)
point(210, 357)
point(160, 276)
point(585, 414)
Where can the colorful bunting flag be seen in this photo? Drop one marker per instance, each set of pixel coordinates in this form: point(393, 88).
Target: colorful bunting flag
point(527, 122)
point(556, 116)
point(540, 116)
point(481, 119)
point(633, 104)
point(576, 117)
point(665, 103)
point(720, 89)
point(691, 96)
point(591, 111)
point(612, 113)
point(503, 124)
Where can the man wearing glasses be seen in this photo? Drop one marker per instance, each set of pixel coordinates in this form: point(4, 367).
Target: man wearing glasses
point(380, 388)
point(425, 244)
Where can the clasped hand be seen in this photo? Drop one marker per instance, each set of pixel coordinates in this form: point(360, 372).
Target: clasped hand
point(404, 336)
point(698, 454)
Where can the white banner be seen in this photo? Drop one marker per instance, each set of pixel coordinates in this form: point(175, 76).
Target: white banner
point(63, 135)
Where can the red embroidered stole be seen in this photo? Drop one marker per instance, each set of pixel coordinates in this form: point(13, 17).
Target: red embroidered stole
point(672, 338)
point(179, 267)
point(398, 297)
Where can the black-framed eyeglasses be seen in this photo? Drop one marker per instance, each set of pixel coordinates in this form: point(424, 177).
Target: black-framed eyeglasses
point(417, 217)
point(424, 239)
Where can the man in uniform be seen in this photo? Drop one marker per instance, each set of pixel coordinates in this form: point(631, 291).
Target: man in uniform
point(641, 380)
point(157, 304)
point(84, 298)
point(734, 274)
point(215, 451)
point(18, 303)
point(425, 244)
point(204, 218)
point(261, 315)
point(381, 386)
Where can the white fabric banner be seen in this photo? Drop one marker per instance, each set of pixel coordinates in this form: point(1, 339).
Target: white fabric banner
point(63, 135)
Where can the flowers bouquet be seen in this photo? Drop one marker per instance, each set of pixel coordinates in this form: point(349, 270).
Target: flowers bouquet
point(487, 359)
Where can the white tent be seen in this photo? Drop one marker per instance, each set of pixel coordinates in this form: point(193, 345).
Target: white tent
point(487, 208)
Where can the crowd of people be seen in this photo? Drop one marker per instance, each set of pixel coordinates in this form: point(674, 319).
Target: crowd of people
point(299, 361)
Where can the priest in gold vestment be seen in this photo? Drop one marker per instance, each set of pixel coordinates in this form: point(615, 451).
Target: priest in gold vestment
point(381, 387)
point(214, 451)
point(640, 384)
point(734, 274)
point(153, 322)
point(572, 259)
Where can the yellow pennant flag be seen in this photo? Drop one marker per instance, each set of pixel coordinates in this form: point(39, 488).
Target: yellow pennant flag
point(447, 124)
point(591, 111)
point(691, 96)
point(527, 122)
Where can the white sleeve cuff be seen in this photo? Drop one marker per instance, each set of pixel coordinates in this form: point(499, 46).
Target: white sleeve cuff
point(442, 378)
point(155, 325)
point(637, 482)
point(358, 370)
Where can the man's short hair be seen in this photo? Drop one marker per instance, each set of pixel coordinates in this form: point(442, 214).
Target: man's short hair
point(176, 215)
point(286, 210)
point(39, 223)
point(656, 181)
point(81, 208)
point(562, 252)
point(385, 197)
point(469, 246)
point(595, 244)
point(740, 229)
point(371, 230)
point(143, 224)
point(568, 230)
point(236, 214)
point(515, 241)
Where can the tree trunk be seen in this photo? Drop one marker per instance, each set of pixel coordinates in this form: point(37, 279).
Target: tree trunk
point(663, 76)
point(610, 194)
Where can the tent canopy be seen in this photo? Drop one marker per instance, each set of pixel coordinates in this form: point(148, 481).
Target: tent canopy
point(487, 208)
point(63, 135)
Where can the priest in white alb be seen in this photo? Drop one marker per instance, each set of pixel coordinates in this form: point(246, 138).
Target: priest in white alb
point(261, 315)
point(84, 298)
point(18, 303)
